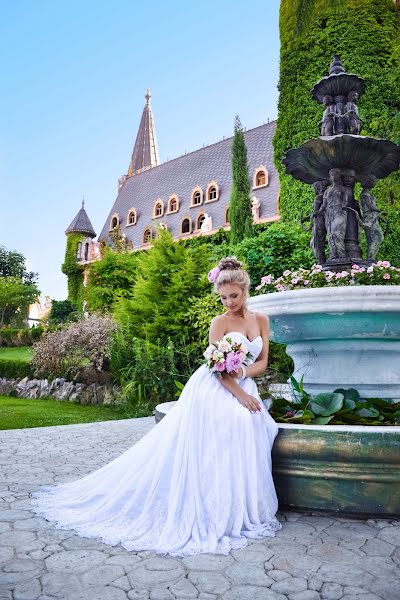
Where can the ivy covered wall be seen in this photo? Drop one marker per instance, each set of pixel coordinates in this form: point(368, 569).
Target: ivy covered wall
point(73, 270)
point(366, 35)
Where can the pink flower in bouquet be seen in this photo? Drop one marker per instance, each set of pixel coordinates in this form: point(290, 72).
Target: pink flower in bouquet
point(386, 276)
point(220, 366)
point(233, 362)
point(213, 274)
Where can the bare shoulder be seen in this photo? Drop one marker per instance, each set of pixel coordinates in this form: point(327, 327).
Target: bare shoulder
point(218, 320)
point(262, 320)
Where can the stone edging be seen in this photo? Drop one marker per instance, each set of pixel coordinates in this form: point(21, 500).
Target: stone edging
point(60, 389)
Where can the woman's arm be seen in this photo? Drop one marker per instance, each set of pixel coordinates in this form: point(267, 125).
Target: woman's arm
point(228, 382)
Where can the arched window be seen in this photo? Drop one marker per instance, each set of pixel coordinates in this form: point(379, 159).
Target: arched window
point(79, 251)
point(132, 217)
point(186, 226)
point(260, 177)
point(86, 251)
point(147, 236)
point(197, 197)
point(200, 220)
point(114, 222)
point(158, 210)
point(173, 204)
point(212, 192)
point(227, 215)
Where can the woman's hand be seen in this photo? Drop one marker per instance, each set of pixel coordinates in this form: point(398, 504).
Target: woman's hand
point(249, 402)
point(237, 374)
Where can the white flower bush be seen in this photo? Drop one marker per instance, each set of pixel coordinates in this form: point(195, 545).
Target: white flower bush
point(379, 273)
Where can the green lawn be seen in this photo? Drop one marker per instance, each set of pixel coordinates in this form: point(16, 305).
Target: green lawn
point(22, 353)
point(18, 413)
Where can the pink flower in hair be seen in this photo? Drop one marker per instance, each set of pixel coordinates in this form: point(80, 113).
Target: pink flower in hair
point(213, 274)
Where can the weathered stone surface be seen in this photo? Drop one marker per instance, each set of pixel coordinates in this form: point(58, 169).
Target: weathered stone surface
point(377, 547)
point(298, 566)
point(122, 583)
point(128, 561)
point(344, 574)
point(161, 594)
point(14, 515)
point(21, 566)
point(102, 575)
point(390, 534)
point(74, 561)
point(353, 531)
point(75, 543)
point(278, 575)
point(32, 524)
point(29, 590)
point(252, 592)
point(246, 573)
point(184, 589)
point(138, 595)
point(331, 591)
point(315, 583)
point(254, 552)
point(289, 585)
point(213, 583)
point(96, 593)
point(305, 595)
point(6, 553)
point(16, 538)
point(153, 572)
point(331, 552)
point(54, 583)
point(53, 536)
point(208, 562)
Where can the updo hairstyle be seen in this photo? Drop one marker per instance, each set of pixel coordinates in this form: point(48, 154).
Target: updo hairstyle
point(231, 271)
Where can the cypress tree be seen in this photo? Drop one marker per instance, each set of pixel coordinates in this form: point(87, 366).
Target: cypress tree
point(365, 34)
point(240, 215)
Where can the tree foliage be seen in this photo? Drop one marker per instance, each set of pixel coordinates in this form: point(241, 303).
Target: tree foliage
point(73, 270)
point(240, 215)
point(15, 298)
point(12, 264)
point(366, 35)
point(110, 278)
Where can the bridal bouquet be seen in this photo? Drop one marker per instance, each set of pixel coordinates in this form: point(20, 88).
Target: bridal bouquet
point(226, 355)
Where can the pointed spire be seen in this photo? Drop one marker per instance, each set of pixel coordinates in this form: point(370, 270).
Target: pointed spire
point(336, 66)
point(81, 223)
point(145, 153)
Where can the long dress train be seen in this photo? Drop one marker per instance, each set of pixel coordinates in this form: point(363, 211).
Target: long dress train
point(199, 481)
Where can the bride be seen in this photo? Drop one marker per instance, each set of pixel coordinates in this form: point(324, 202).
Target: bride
point(199, 481)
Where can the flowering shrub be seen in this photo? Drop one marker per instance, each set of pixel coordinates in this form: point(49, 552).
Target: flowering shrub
point(380, 273)
point(79, 352)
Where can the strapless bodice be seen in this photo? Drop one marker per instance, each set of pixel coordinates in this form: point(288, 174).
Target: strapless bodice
point(253, 346)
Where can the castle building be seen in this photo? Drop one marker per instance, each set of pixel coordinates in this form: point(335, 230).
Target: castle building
point(188, 195)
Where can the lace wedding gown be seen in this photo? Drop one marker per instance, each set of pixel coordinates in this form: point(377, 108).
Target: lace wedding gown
point(199, 481)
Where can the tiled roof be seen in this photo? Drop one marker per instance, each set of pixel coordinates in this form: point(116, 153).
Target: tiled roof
point(181, 175)
point(145, 154)
point(81, 224)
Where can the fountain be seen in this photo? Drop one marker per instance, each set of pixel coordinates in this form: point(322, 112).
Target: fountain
point(346, 336)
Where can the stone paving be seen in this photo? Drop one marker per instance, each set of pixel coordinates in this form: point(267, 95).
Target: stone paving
point(313, 557)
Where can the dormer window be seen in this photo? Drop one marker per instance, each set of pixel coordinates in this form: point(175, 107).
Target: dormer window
point(200, 220)
point(186, 226)
point(148, 236)
point(260, 177)
point(114, 222)
point(197, 197)
point(132, 217)
point(212, 192)
point(173, 204)
point(158, 209)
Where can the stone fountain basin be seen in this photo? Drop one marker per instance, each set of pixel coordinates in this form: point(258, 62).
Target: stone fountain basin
point(339, 337)
point(335, 468)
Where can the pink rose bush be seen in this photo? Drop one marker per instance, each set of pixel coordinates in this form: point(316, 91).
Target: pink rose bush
point(379, 273)
point(226, 355)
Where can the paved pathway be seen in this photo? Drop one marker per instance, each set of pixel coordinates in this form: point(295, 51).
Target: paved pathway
point(313, 557)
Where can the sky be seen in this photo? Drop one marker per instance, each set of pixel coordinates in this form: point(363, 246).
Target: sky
point(74, 76)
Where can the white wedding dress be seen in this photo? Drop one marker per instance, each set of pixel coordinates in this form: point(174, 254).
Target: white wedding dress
point(199, 481)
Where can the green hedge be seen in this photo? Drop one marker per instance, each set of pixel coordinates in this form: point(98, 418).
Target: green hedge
point(15, 369)
point(10, 337)
point(366, 37)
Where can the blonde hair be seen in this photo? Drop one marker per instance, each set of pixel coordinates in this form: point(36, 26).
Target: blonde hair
point(231, 271)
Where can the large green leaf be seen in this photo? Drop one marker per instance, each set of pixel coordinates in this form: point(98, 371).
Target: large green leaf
point(322, 420)
point(326, 404)
point(368, 412)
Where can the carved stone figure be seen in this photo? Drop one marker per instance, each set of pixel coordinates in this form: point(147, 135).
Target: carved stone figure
point(352, 238)
point(370, 217)
point(334, 209)
point(255, 208)
point(207, 223)
point(328, 118)
point(353, 120)
point(340, 117)
point(318, 226)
